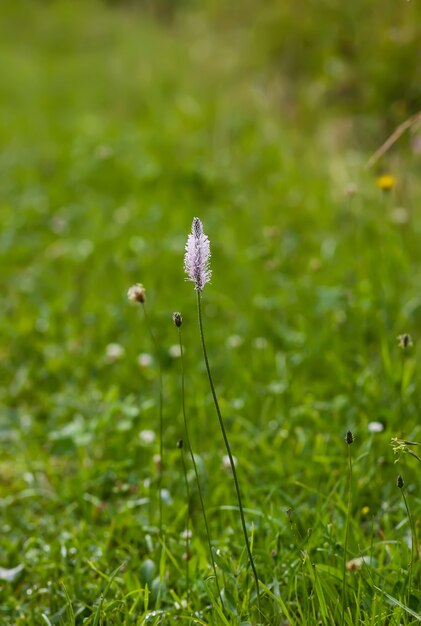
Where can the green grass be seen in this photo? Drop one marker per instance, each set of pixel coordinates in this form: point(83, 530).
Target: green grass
point(116, 129)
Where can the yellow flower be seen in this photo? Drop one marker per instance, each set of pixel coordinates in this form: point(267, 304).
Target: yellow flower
point(386, 182)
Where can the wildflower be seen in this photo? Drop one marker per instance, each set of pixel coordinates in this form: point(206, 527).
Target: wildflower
point(349, 438)
point(401, 446)
point(400, 482)
point(144, 360)
point(386, 182)
point(147, 436)
point(196, 259)
point(375, 427)
point(400, 216)
point(136, 293)
point(196, 265)
point(234, 341)
point(177, 319)
point(405, 341)
point(114, 352)
point(181, 605)
point(226, 462)
point(356, 564)
point(174, 351)
point(186, 534)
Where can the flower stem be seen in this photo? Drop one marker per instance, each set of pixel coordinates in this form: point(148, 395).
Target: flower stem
point(187, 531)
point(401, 386)
point(413, 544)
point(196, 473)
point(228, 448)
point(348, 514)
point(161, 421)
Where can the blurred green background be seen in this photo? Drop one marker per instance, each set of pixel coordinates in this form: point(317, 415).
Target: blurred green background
point(120, 121)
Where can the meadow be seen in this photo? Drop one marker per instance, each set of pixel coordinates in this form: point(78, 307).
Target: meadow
point(119, 123)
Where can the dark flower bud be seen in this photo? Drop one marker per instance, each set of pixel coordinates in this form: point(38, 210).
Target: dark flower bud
point(405, 341)
point(349, 437)
point(180, 444)
point(177, 319)
point(400, 482)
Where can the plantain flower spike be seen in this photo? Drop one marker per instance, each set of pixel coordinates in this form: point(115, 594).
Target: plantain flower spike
point(196, 259)
point(349, 437)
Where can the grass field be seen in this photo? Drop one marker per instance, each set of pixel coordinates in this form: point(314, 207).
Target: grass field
point(117, 127)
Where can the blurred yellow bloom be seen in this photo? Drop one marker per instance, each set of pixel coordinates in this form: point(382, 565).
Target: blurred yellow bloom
point(365, 510)
point(386, 182)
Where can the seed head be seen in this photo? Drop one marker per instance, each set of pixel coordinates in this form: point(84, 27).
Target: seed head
point(400, 482)
point(405, 341)
point(349, 437)
point(136, 293)
point(177, 319)
point(197, 256)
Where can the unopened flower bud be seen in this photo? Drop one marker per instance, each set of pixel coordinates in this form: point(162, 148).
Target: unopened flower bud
point(349, 437)
point(400, 482)
point(405, 341)
point(177, 319)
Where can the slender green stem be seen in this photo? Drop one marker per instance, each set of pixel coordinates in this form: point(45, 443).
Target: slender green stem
point(196, 473)
point(161, 449)
point(348, 515)
point(161, 421)
point(401, 383)
point(413, 543)
point(228, 448)
point(371, 541)
point(412, 453)
point(187, 531)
